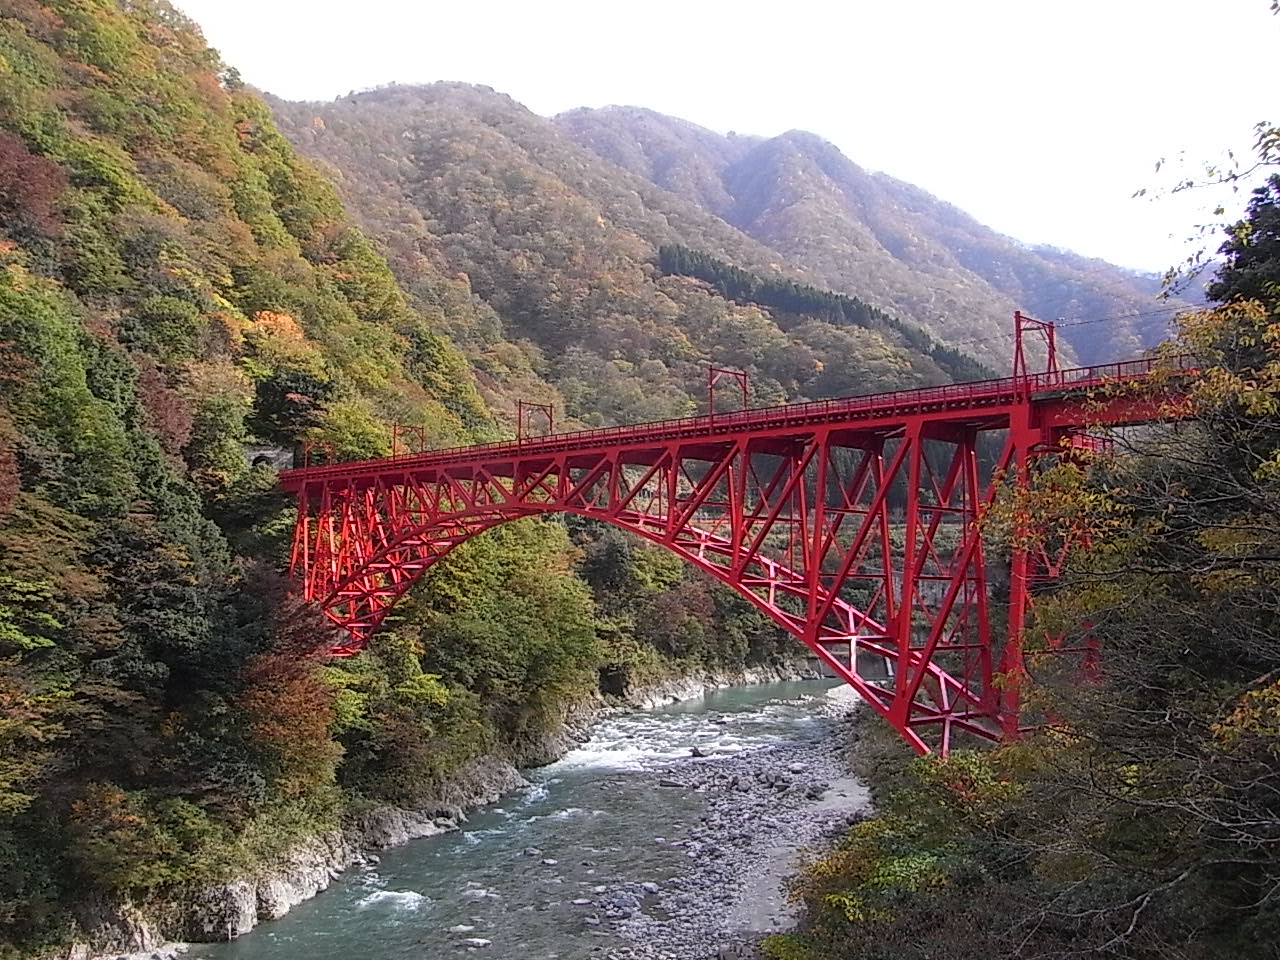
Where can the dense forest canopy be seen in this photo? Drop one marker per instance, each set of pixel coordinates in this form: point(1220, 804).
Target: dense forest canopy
point(560, 247)
point(791, 299)
point(883, 241)
point(557, 226)
point(179, 289)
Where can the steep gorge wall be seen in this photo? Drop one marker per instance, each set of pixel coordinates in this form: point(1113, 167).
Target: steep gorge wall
point(227, 909)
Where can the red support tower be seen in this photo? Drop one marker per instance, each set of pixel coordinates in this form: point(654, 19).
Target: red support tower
point(1045, 329)
point(855, 524)
point(410, 430)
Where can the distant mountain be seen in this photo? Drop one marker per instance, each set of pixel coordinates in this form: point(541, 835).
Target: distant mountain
point(550, 230)
point(561, 247)
point(885, 241)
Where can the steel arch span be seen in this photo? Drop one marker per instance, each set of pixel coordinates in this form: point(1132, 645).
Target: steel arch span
point(854, 524)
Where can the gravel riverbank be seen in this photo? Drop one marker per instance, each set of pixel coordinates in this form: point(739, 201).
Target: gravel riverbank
point(762, 810)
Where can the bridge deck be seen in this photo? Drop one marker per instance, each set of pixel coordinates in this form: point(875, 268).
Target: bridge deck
point(734, 495)
point(981, 397)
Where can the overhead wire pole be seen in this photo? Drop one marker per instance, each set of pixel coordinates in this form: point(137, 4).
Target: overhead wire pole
point(715, 375)
point(1046, 329)
point(525, 411)
point(413, 430)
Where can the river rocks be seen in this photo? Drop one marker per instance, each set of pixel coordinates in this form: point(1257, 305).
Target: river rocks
point(462, 928)
point(480, 781)
point(761, 807)
point(169, 951)
point(392, 826)
point(303, 872)
point(223, 911)
point(547, 746)
point(228, 910)
point(118, 929)
point(475, 943)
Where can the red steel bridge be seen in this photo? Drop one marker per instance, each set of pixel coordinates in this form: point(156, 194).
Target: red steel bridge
point(855, 524)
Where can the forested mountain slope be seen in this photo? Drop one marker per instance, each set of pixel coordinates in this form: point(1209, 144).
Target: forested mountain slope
point(178, 291)
point(563, 246)
point(875, 237)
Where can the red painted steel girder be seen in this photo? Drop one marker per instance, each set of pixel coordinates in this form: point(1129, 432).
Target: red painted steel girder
point(790, 506)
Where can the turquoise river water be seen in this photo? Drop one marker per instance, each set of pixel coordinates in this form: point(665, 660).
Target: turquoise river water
point(596, 817)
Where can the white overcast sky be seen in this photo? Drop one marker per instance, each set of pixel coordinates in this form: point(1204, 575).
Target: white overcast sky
point(1039, 117)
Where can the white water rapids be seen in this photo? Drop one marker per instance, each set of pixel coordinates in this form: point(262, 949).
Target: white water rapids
point(533, 873)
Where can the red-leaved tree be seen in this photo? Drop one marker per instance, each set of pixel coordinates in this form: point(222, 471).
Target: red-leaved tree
point(30, 186)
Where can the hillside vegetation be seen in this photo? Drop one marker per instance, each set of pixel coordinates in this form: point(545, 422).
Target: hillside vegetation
point(557, 227)
point(178, 290)
point(563, 247)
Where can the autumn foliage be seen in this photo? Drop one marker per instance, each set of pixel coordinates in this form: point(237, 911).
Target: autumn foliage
point(30, 187)
point(288, 706)
point(179, 290)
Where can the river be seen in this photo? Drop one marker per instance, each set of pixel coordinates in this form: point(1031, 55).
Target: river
point(627, 840)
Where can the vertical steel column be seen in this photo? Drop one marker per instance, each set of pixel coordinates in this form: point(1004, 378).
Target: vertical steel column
point(902, 626)
point(300, 551)
point(979, 660)
point(881, 505)
point(815, 533)
point(737, 487)
point(1022, 438)
point(1022, 324)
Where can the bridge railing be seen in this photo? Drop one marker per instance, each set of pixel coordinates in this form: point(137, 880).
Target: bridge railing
point(797, 413)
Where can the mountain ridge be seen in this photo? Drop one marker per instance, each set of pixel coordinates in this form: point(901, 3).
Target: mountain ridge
point(562, 248)
point(868, 233)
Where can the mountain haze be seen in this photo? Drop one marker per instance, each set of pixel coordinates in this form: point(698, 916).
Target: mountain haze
point(873, 236)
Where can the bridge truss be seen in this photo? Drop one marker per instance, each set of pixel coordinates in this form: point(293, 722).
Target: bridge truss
point(856, 524)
